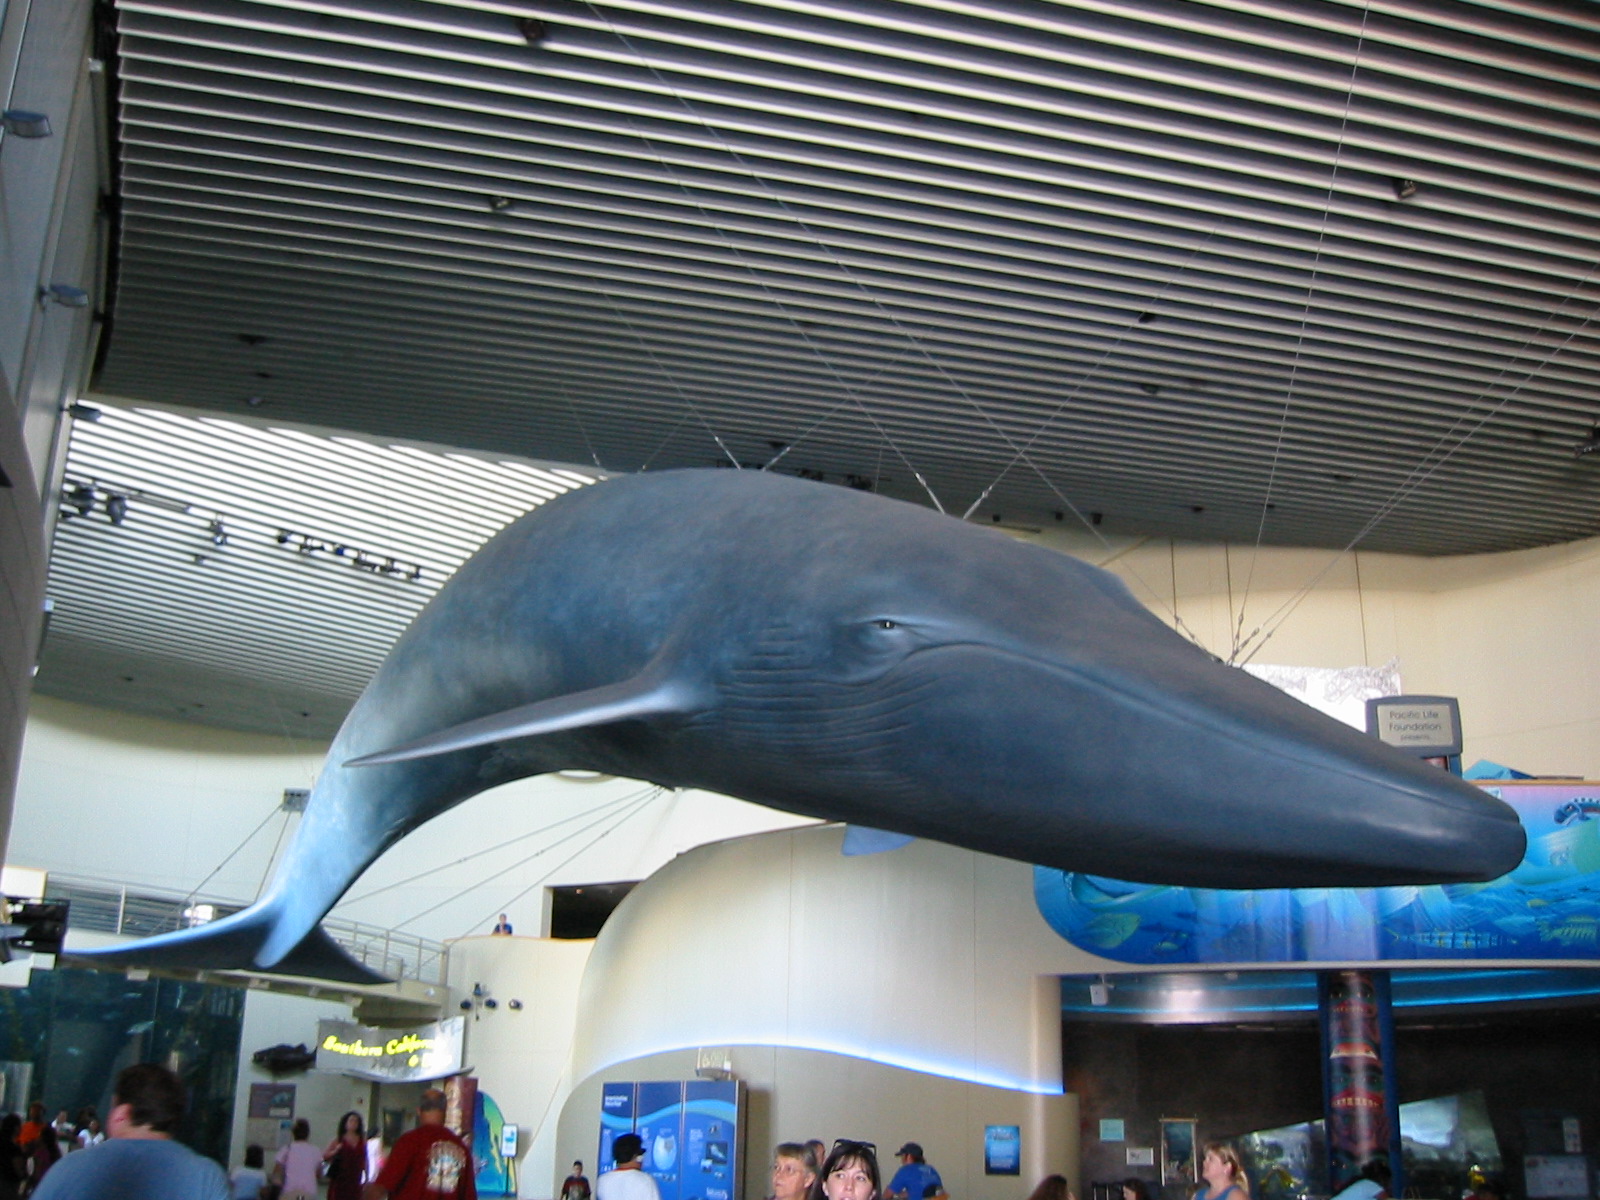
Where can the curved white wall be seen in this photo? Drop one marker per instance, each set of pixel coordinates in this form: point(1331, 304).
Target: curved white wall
point(926, 957)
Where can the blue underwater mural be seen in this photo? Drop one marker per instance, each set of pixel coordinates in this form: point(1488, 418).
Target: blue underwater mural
point(1547, 908)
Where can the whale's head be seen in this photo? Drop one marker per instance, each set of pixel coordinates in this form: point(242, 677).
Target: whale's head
point(891, 667)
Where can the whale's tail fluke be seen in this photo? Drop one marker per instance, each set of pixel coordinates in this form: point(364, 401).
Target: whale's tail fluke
point(235, 943)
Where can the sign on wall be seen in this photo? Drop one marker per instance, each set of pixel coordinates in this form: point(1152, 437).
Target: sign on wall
point(1547, 908)
point(1002, 1150)
point(390, 1055)
point(690, 1130)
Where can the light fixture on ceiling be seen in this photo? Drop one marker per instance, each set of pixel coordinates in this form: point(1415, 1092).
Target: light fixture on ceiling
point(365, 560)
point(218, 532)
point(81, 497)
point(80, 411)
point(117, 508)
point(64, 294)
point(499, 203)
point(20, 122)
point(1589, 444)
point(533, 30)
point(1404, 189)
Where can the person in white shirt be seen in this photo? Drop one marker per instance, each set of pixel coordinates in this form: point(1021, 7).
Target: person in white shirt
point(628, 1181)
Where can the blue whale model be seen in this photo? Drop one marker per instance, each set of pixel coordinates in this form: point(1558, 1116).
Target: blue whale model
point(839, 655)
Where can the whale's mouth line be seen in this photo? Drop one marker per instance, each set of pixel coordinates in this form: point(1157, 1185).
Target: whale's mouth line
point(1243, 738)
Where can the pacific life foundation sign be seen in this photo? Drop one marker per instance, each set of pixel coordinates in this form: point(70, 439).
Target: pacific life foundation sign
point(390, 1055)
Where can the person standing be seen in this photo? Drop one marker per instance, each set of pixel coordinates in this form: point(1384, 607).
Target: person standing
point(45, 1154)
point(428, 1163)
point(794, 1170)
point(576, 1185)
point(297, 1163)
point(248, 1180)
point(139, 1160)
point(915, 1176)
point(346, 1157)
point(628, 1181)
point(1223, 1174)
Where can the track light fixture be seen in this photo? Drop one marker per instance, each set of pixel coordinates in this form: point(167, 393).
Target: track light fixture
point(81, 497)
point(20, 122)
point(64, 294)
point(364, 560)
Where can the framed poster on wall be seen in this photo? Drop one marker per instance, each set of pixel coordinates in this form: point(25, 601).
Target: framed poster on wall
point(1178, 1165)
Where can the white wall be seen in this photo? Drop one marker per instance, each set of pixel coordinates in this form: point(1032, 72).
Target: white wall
point(48, 233)
point(169, 802)
point(320, 1097)
point(924, 958)
point(1510, 634)
point(521, 1056)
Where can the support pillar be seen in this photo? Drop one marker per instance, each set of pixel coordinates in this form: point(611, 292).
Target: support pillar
point(1360, 1101)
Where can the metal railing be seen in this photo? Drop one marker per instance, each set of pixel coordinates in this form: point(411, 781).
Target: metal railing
point(105, 906)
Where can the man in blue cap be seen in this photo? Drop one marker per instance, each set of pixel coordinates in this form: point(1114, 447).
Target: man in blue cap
point(916, 1178)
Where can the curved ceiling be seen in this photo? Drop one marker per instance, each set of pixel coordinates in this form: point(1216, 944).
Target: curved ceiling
point(1308, 272)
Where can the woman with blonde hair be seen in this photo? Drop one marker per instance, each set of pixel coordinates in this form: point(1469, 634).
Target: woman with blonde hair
point(1223, 1174)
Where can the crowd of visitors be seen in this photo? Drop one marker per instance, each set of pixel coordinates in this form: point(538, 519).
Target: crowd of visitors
point(29, 1148)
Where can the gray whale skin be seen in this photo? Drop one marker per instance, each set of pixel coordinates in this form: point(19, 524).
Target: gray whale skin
point(840, 655)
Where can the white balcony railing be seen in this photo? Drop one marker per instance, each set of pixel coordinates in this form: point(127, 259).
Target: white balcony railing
point(105, 906)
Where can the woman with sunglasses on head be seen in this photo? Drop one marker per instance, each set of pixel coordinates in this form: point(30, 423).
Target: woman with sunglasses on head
point(850, 1173)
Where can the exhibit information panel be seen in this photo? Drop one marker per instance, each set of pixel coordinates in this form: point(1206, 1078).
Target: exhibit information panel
point(691, 1131)
point(1548, 907)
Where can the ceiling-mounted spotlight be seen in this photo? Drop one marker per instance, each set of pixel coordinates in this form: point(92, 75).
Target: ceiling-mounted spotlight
point(514, 1005)
point(81, 497)
point(1589, 444)
point(1404, 189)
point(117, 509)
point(19, 122)
point(533, 30)
point(491, 1002)
point(466, 1006)
point(79, 411)
point(64, 294)
point(477, 989)
point(499, 203)
point(218, 532)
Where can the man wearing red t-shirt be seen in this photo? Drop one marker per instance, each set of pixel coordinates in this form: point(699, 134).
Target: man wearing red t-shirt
point(429, 1163)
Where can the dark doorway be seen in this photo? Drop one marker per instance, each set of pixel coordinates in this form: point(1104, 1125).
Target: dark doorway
point(580, 911)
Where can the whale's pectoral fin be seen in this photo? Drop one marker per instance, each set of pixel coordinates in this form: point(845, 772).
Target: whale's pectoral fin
point(651, 693)
point(861, 839)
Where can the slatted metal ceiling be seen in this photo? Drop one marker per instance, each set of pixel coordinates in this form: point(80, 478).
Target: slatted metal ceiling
point(1140, 258)
point(257, 574)
point(1144, 262)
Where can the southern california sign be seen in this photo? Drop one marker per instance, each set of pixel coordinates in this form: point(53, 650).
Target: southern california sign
point(390, 1055)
